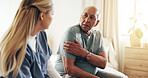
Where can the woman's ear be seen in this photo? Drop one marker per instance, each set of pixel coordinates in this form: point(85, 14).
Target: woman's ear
point(97, 23)
point(41, 16)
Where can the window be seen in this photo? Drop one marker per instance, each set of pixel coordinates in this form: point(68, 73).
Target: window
point(132, 8)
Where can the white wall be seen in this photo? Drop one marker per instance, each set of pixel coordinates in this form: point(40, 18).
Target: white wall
point(66, 14)
point(8, 9)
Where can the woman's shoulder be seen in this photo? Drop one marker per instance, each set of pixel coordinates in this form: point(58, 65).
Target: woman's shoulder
point(42, 36)
point(30, 55)
point(42, 33)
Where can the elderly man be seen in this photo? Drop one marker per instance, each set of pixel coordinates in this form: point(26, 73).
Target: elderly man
point(81, 50)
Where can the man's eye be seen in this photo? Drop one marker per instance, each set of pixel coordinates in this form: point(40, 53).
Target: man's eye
point(85, 15)
point(92, 17)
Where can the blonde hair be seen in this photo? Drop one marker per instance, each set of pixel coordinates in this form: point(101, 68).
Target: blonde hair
point(14, 43)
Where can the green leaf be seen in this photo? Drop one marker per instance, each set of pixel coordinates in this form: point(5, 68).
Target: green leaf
point(145, 26)
point(138, 33)
point(132, 18)
point(131, 29)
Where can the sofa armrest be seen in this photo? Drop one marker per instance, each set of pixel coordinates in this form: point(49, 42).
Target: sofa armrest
point(110, 54)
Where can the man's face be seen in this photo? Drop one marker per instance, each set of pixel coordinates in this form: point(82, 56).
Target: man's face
point(88, 19)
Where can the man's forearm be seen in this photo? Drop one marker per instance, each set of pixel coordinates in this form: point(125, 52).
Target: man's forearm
point(96, 60)
point(72, 70)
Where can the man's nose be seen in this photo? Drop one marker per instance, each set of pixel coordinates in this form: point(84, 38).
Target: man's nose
point(87, 19)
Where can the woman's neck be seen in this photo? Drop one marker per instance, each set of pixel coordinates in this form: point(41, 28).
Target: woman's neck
point(35, 32)
point(37, 28)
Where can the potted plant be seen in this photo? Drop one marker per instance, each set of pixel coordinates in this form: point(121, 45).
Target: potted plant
point(137, 34)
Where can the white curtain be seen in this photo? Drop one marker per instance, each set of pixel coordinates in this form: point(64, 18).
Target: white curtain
point(110, 24)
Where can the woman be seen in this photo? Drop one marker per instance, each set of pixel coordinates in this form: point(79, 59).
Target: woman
point(24, 51)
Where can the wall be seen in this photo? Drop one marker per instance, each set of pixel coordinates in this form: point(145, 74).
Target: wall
point(8, 9)
point(66, 14)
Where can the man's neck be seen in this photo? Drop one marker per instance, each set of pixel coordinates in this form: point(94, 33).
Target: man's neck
point(87, 33)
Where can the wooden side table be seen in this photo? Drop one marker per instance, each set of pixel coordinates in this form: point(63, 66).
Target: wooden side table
point(136, 62)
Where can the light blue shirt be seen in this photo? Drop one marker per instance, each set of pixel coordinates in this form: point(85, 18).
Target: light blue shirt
point(92, 43)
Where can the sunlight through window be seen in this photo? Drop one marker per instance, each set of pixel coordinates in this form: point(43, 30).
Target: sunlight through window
point(129, 9)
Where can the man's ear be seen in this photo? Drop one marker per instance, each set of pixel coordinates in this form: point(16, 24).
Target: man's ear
point(97, 23)
point(41, 16)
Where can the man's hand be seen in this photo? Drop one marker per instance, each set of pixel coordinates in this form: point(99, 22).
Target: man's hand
point(75, 48)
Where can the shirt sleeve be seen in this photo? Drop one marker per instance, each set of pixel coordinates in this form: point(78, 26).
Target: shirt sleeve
point(68, 36)
point(102, 49)
point(51, 72)
point(100, 43)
